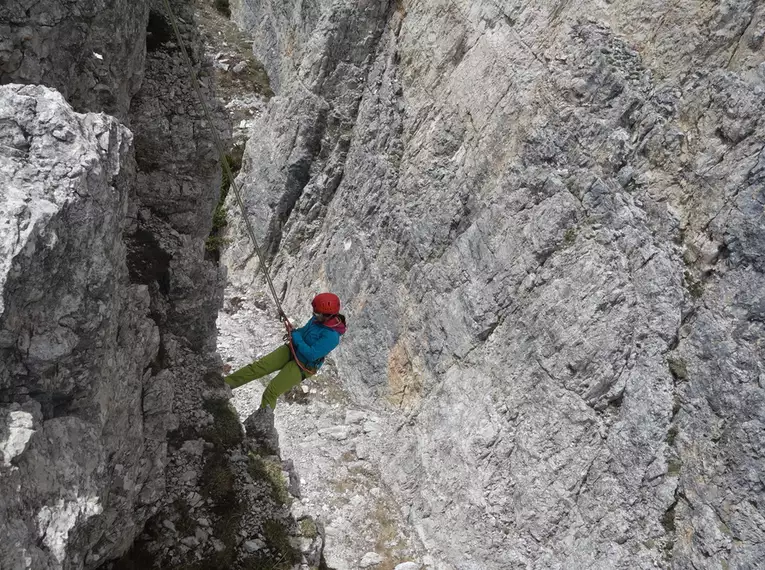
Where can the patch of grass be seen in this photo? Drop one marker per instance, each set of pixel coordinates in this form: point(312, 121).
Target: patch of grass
point(270, 472)
point(674, 466)
point(694, 286)
point(214, 242)
point(279, 553)
point(264, 562)
point(226, 431)
point(217, 481)
point(677, 368)
point(184, 524)
point(388, 530)
point(308, 528)
point(668, 519)
point(671, 435)
point(223, 7)
point(278, 539)
point(570, 237)
point(668, 522)
point(348, 456)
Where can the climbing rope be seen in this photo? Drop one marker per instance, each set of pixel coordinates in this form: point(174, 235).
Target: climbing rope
point(234, 185)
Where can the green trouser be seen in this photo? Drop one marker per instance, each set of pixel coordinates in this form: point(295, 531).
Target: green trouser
point(280, 359)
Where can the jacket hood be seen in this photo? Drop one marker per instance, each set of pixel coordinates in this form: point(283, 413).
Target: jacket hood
point(337, 324)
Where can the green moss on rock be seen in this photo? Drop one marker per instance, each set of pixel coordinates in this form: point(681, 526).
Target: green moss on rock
point(308, 528)
point(270, 472)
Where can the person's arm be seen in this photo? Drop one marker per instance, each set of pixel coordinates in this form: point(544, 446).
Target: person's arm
point(320, 349)
point(301, 330)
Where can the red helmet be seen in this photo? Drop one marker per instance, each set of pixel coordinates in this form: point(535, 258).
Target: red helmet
point(326, 304)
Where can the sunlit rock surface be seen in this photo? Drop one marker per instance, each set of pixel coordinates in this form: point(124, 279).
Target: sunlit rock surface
point(546, 220)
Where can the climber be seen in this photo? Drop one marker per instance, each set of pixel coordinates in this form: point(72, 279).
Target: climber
point(311, 343)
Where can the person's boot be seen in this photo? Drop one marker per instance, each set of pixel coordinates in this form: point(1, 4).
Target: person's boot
point(260, 427)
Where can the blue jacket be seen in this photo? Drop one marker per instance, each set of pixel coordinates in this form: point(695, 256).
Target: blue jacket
point(314, 341)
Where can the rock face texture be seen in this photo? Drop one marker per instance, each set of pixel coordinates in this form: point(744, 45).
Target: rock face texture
point(77, 340)
point(114, 422)
point(546, 219)
point(108, 300)
point(92, 51)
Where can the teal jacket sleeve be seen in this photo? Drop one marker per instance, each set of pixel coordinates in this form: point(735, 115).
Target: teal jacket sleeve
point(321, 348)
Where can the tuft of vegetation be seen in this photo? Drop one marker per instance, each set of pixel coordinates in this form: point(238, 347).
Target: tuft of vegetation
point(672, 435)
point(217, 482)
point(677, 368)
point(694, 286)
point(279, 553)
point(226, 431)
point(270, 472)
point(185, 523)
point(278, 540)
point(215, 242)
point(308, 528)
point(570, 237)
point(674, 466)
point(223, 7)
point(214, 245)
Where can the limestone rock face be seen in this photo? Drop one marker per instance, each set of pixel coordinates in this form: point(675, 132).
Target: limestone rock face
point(92, 51)
point(108, 299)
point(547, 222)
point(77, 341)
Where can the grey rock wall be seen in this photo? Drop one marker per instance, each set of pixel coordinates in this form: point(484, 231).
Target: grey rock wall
point(77, 339)
point(109, 302)
point(546, 220)
point(92, 51)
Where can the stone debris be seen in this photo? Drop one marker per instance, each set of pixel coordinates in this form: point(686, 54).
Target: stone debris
point(408, 566)
point(370, 560)
point(323, 469)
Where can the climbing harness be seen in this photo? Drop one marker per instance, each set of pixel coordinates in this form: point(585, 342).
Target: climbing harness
point(227, 169)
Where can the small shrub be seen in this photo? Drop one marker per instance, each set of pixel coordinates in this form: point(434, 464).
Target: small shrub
point(184, 524)
point(677, 368)
point(217, 482)
point(278, 539)
point(270, 472)
point(308, 528)
point(223, 7)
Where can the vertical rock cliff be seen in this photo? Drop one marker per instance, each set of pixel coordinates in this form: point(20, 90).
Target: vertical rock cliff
point(546, 219)
point(118, 447)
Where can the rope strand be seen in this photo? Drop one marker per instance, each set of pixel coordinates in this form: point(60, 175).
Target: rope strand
point(235, 186)
point(223, 160)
